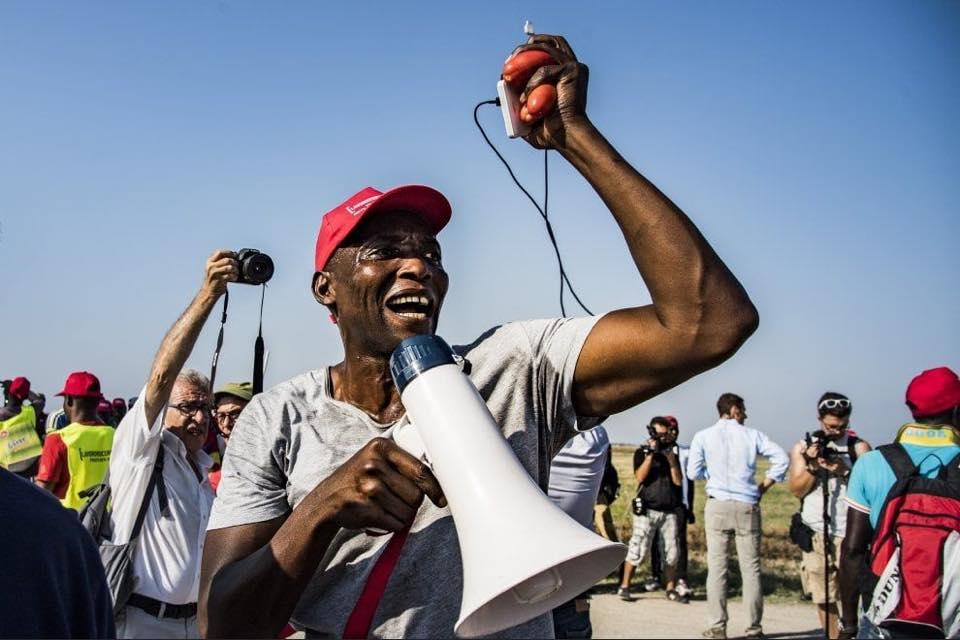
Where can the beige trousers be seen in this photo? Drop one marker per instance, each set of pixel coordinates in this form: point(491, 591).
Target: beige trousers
point(725, 519)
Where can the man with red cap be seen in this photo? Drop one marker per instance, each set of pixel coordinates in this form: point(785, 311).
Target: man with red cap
point(76, 457)
point(312, 465)
point(20, 446)
point(932, 442)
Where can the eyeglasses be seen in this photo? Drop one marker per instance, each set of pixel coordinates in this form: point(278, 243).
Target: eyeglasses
point(190, 409)
point(223, 417)
point(834, 403)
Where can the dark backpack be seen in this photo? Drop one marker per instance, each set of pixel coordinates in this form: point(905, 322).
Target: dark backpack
point(610, 483)
point(915, 553)
point(118, 558)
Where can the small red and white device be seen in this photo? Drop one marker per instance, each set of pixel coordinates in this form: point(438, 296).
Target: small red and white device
point(510, 101)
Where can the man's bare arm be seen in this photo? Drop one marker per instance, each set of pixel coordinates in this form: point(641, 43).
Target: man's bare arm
point(643, 470)
point(700, 313)
point(278, 560)
point(178, 343)
point(252, 576)
point(799, 481)
point(852, 553)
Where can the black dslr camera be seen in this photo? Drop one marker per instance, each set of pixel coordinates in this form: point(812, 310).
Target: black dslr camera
point(255, 267)
point(829, 450)
point(660, 448)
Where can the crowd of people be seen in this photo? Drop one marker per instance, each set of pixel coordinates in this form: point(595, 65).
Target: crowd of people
point(264, 524)
point(843, 487)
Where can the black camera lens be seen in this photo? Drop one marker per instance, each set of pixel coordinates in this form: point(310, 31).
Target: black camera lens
point(255, 267)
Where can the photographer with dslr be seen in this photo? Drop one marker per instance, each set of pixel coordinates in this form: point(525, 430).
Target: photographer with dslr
point(659, 495)
point(820, 465)
point(159, 471)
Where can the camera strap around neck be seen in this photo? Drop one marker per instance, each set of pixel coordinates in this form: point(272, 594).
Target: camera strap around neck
point(216, 352)
point(259, 347)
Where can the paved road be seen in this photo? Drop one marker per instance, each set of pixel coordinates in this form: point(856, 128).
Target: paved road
point(653, 616)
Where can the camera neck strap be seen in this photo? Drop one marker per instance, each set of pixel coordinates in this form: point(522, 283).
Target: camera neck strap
point(259, 348)
point(216, 352)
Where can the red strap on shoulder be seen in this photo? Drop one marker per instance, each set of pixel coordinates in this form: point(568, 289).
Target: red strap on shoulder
point(358, 624)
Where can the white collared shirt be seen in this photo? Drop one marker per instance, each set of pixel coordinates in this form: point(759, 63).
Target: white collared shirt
point(166, 560)
point(726, 456)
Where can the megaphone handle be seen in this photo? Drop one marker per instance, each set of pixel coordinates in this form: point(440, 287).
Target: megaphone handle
point(358, 624)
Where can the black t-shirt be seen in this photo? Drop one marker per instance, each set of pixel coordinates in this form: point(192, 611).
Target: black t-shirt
point(51, 576)
point(657, 491)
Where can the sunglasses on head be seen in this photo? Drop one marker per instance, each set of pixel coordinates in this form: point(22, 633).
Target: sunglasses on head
point(834, 403)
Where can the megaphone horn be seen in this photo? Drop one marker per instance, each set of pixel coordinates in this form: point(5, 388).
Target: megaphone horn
point(521, 554)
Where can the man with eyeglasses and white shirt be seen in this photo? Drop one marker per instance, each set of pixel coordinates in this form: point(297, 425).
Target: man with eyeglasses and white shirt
point(725, 455)
point(169, 419)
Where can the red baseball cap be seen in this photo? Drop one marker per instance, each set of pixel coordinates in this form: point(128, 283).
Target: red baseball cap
point(81, 384)
point(19, 388)
point(428, 203)
point(933, 392)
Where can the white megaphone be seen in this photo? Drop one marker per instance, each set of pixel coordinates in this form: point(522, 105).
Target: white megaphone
point(521, 554)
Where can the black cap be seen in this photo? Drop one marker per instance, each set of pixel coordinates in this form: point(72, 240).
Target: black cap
point(415, 355)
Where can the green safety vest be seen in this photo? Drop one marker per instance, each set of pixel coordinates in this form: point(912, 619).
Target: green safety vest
point(19, 443)
point(88, 458)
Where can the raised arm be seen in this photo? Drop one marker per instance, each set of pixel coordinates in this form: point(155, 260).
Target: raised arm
point(179, 341)
point(700, 314)
point(799, 480)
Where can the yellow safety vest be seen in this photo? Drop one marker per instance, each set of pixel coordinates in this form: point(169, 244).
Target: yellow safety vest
point(88, 458)
point(19, 442)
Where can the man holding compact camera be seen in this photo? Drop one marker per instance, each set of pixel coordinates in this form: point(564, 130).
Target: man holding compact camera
point(312, 466)
point(659, 496)
point(820, 465)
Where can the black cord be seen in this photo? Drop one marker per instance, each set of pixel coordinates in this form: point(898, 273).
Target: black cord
point(542, 211)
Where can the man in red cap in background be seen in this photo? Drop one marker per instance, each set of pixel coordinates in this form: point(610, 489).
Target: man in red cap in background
point(20, 446)
point(932, 442)
point(76, 457)
point(312, 464)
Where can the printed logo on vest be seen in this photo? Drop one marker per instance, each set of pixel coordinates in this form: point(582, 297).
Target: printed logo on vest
point(95, 456)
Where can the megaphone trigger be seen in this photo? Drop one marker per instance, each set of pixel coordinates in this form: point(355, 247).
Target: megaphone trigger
point(406, 436)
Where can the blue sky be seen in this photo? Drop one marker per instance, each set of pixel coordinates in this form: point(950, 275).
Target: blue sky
point(816, 145)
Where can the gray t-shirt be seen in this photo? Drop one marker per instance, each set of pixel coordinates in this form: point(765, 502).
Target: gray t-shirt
point(290, 438)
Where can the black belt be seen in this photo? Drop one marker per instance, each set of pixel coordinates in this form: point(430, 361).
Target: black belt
point(162, 610)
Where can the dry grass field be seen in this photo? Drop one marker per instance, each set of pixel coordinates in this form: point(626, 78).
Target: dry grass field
point(781, 558)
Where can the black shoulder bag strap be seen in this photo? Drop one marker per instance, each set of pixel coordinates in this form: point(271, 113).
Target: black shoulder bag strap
point(950, 471)
point(156, 481)
point(898, 459)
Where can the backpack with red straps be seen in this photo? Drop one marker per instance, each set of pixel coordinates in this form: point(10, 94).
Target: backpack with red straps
point(915, 553)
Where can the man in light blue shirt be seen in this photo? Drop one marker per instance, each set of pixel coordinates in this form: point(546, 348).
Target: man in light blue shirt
point(726, 456)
